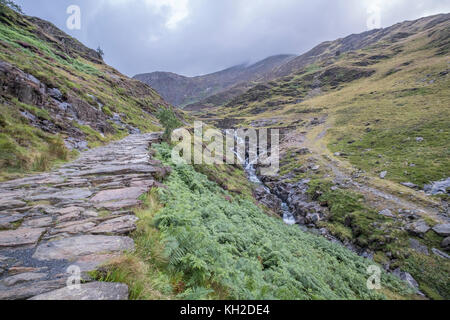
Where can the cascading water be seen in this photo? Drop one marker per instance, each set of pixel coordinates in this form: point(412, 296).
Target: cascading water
point(250, 169)
point(288, 217)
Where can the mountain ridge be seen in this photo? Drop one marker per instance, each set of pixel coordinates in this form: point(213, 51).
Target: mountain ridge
point(181, 90)
point(325, 50)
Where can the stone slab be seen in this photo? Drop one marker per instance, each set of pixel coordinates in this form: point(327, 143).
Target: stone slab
point(89, 291)
point(73, 248)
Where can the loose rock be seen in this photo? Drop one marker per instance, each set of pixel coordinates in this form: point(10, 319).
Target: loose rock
point(417, 246)
point(419, 228)
point(442, 229)
point(440, 253)
point(23, 277)
point(20, 237)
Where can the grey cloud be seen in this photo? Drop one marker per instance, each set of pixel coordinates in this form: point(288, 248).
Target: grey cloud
point(217, 33)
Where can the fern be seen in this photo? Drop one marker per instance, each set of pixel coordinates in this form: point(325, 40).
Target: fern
point(234, 245)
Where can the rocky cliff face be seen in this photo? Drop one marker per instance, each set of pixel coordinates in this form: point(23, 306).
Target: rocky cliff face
point(182, 91)
point(55, 93)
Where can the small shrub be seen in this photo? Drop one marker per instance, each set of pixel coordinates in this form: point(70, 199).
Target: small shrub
point(169, 121)
point(100, 52)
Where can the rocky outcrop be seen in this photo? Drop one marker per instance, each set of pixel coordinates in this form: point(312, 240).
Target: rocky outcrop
point(31, 91)
point(77, 216)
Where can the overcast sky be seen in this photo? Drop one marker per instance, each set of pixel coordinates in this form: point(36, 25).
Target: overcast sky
point(193, 37)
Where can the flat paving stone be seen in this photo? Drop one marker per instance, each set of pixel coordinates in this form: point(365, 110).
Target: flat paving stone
point(121, 225)
point(117, 205)
point(94, 261)
point(20, 237)
point(22, 292)
point(10, 218)
point(77, 228)
point(120, 169)
point(38, 223)
point(88, 291)
point(119, 194)
point(23, 277)
point(70, 194)
point(75, 247)
point(6, 204)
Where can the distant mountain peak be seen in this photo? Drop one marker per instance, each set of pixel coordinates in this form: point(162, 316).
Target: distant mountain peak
point(181, 90)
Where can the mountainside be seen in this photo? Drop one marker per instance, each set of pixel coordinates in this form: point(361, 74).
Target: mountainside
point(182, 91)
point(331, 49)
point(326, 50)
point(57, 95)
point(364, 150)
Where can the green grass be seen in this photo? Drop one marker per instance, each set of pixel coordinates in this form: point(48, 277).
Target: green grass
point(24, 148)
point(431, 273)
point(397, 151)
point(230, 178)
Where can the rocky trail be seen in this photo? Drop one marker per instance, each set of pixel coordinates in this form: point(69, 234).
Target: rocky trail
point(63, 224)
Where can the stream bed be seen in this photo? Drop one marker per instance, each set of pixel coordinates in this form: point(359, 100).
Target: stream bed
point(286, 212)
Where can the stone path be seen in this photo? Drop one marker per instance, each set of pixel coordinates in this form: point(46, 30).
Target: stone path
point(73, 219)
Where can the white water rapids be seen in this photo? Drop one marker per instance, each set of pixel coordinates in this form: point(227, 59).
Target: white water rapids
point(250, 169)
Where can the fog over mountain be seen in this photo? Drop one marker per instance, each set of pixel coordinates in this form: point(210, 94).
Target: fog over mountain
point(193, 37)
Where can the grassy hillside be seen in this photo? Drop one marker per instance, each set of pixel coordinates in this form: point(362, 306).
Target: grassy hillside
point(326, 51)
point(55, 92)
point(386, 107)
